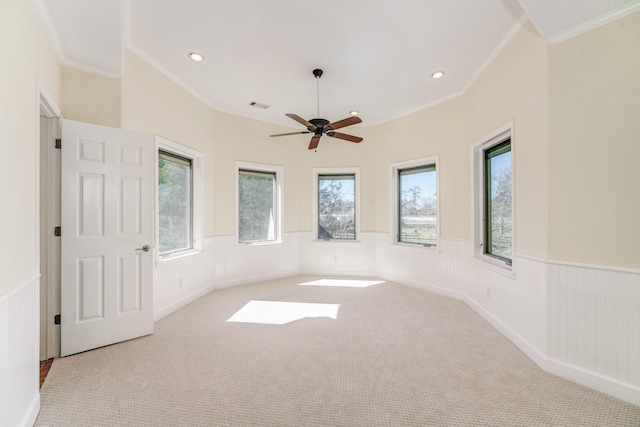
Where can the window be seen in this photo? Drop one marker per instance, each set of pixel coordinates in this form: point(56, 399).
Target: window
point(498, 224)
point(174, 202)
point(258, 202)
point(415, 206)
point(493, 198)
point(336, 204)
point(179, 199)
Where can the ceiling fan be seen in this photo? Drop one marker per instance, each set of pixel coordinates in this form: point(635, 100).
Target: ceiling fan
point(319, 127)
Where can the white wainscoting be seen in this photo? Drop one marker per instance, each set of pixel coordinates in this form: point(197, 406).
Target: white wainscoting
point(579, 322)
point(241, 264)
point(594, 327)
point(437, 270)
point(19, 350)
point(221, 264)
point(357, 258)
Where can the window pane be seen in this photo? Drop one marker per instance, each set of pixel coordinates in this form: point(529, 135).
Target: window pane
point(417, 205)
point(498, 218)
point(256, 204)
point(336, 207)
point(174, 199)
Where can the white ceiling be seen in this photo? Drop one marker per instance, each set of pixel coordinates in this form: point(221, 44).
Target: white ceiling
point(377, 55)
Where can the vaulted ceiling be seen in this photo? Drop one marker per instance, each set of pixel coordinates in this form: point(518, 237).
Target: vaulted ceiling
point(377, 55)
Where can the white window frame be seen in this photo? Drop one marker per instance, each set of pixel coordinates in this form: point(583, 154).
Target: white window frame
point(395, 200)
point(494, 138)
point(197, 202)
point(355, 171)
point(279, 173)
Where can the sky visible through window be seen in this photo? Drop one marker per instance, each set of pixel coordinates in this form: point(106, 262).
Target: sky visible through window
point(426, 182)
point(501, 163)
point(346, 190)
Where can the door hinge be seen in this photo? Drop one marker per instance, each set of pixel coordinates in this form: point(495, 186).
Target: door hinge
point(58, 144)
point(57, 231)
point(56, 319)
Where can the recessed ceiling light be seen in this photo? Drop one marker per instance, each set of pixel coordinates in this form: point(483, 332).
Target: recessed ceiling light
point(437, 75)
point(195, 56)
point(354, 112)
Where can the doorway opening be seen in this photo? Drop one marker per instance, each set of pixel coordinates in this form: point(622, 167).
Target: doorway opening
point(49, 243)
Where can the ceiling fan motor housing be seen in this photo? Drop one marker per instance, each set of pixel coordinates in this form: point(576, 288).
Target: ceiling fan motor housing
point(319, 126)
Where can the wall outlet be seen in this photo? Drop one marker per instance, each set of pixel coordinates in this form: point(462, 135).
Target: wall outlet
point(180, 282)
point(488, 292)
point(335, 258)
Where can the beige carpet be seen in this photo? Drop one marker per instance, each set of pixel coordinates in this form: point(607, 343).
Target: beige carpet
point(393, 356)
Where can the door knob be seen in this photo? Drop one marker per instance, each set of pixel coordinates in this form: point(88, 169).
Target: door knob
point(145, 248)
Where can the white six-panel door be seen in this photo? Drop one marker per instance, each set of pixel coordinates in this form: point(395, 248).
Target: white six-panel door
point(107, 218)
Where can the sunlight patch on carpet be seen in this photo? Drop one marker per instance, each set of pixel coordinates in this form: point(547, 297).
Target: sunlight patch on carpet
point(281, 313)
point(346, 283)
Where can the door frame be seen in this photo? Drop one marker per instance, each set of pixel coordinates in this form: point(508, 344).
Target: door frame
point(45, 251)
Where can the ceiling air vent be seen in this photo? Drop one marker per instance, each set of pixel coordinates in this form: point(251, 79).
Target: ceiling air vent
point(259, 105)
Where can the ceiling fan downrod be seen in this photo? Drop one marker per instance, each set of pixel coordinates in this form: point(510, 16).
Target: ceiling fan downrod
point(317, 73)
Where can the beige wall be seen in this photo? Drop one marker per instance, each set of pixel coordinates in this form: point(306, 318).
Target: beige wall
point(153, 103)
point(90, 98)
point(594, 146)
point(513, 87)
point(27, 56)
point(565, 114)
point(433, 131)
point(149, 101)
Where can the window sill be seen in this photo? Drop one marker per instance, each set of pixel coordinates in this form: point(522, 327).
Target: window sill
point(414, 246)
point(491, 264)
point(337, 241)
point(263, 243)
point(177, 257)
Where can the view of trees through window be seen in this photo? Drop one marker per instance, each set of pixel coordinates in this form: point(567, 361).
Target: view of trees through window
point(336, 207)
point(417, 207)
point(174, 202)
point(256, 205)
point(498, 201)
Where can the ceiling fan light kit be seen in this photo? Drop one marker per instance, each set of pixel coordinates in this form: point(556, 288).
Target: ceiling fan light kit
point(319, 127)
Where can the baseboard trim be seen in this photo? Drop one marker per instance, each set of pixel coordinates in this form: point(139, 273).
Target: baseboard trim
point(249, 280)
point(424, 287)
point(337, 273)
point(183, 302)
point(525, 346)
point(30, 416)
point(618, 389)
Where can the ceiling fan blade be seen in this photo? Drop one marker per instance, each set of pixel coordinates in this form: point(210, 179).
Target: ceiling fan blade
point(314, 142)
point(343, 123)
point(344, 136)
point(290, 133)
point(300, 120)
